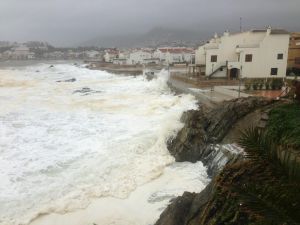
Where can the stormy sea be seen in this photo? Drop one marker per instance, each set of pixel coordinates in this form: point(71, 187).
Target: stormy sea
point(80, 146)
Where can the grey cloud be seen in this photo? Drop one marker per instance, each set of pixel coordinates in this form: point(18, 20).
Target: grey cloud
point(64, 22)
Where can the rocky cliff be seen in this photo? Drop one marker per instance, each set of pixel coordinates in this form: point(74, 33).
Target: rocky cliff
point(207, 126)
point(197, 141)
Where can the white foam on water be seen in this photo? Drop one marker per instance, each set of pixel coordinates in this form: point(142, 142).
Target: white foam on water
point(64, 152)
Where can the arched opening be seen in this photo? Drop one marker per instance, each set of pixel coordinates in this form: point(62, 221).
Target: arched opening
point(233, 74)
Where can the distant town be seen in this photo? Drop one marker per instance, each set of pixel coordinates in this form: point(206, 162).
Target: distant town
point(258, 53)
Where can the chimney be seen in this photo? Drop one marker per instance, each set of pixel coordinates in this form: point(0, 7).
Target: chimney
point(226, 33)
point(269, 29)
point(216, 35)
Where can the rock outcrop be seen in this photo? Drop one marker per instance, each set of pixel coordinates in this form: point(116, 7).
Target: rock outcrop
point(209, 126)
point(197, 141)
point(220, 202)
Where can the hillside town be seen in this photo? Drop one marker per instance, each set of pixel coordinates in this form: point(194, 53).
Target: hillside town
point(229, 65)
point(258, 53)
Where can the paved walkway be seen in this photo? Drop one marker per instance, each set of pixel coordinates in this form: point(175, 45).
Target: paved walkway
point(207, 96)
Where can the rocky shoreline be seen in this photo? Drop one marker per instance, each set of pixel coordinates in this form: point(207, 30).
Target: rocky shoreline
point(199, 140)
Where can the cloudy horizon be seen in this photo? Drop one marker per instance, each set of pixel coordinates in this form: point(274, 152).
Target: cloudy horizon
point(70, 22)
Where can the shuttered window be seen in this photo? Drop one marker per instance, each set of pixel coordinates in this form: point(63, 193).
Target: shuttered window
point(248, 58)
point(274, 71)
point(280, 56)
point(214, 58)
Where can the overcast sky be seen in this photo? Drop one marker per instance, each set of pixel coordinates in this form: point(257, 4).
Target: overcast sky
point(65, 22)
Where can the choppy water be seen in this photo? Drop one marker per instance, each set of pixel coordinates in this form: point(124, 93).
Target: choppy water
point(64, 144)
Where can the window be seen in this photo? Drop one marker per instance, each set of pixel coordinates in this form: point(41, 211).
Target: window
point(274, 71)
point(214, 58)
point(248, 58)
point(280, 56)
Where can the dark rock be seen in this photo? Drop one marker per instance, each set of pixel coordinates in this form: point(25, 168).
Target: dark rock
point(186, 207)
point(207, 126)
point(86, 91)
point(197, 142)
point(177, 213)
point(69, 80)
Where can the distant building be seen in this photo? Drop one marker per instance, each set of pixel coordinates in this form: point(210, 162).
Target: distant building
point(151, 61)
point(119, 61)
point(138, 56)
point(22, 52)
point(175, 55)
point(294, 52)
point(180, 55)
point(110, 55)
point(92, 54)
point(54, 55)
point(7, 54)
point(252, 54)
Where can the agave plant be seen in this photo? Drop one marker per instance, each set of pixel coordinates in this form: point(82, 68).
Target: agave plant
point(260, 146)
point(277, 199)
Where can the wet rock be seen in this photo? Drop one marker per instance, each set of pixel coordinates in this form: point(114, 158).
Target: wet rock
point(178, 212)
point(197, 141)
point(209, 126)
point(69, 80)
point(86, 91)
point(217, 156)
point(83, 90)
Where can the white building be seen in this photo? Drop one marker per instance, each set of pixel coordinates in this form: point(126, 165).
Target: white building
point(252, 54)
point(175, 55)
point(92, 54)
point(119, 61)
point(138, 56)
point(151, 61)
point(22, 52)
point(110, 55)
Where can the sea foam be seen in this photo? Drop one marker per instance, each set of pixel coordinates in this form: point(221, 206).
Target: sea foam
point(62, 148)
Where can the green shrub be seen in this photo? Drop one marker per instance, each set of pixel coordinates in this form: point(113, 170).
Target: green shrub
point(247, 84)
point(284, 125)
point(276, 84)
point(268, 85)
point(255, 85)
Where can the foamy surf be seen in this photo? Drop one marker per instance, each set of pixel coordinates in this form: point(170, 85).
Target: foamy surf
point(69, 149)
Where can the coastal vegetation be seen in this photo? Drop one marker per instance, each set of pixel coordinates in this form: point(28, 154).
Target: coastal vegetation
point(263, 84)
point(260, 188)
point(275, 199)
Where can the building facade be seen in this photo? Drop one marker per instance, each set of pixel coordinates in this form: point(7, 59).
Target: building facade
point(294, 52)
point(252, 54)
point(110, 55)
point(138, 57)
point(174, 55)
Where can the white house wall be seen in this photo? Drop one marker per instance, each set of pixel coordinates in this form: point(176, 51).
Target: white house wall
point(263, 47)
